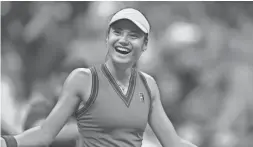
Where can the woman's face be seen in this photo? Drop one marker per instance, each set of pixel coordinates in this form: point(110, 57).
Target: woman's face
point(125, 42)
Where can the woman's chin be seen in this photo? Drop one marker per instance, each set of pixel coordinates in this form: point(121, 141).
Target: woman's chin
point(122, 59)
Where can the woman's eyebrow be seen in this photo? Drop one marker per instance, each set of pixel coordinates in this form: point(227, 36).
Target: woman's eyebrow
point(137, 32)
point(118, 28)
point(133, 31)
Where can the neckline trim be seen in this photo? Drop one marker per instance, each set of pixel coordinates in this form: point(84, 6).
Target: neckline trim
point(127, 98)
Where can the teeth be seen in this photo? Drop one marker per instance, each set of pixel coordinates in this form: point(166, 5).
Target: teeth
point(123, 49)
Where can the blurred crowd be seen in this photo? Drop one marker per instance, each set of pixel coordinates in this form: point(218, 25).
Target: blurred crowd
point(200, 54)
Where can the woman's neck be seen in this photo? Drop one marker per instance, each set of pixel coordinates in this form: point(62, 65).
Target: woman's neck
point(120, 73)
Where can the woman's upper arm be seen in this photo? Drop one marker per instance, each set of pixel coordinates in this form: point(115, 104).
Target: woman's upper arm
point(158, 120)
point(72, 89)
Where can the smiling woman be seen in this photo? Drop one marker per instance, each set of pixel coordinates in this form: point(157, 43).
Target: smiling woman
point(125, 42)
point(107, 115)
point(127, 36)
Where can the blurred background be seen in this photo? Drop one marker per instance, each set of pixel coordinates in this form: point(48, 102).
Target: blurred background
point(200, 53)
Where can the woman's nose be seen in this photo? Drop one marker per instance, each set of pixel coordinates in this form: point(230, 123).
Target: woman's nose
point(123, 40)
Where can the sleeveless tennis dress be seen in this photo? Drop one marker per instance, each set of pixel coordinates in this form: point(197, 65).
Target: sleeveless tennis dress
point(110, 118)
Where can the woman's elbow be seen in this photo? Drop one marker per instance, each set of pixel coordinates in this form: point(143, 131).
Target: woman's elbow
point(46, 137)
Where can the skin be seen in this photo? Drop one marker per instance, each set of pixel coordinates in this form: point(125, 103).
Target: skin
point(125, 34)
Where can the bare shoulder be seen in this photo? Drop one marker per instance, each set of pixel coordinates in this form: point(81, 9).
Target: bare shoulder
point(78, 74)
point(150, 80)
point(79, 80)
point(151, 83)
point(148, 77)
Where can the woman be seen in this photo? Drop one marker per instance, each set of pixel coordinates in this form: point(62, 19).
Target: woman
point(113, 102)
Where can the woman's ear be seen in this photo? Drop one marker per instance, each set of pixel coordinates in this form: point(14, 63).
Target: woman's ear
point(146, 39)
point(145, 46)
point(106, 40)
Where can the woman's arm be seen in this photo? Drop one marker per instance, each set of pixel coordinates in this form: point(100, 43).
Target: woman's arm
point(66, 105)
point(160, 123)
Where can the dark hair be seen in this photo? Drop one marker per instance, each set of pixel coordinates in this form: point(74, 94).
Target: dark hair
point(108, 30)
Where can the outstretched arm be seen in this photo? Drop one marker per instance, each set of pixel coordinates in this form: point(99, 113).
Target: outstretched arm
point(68, 132)
point(47, 131)
point(160, 123)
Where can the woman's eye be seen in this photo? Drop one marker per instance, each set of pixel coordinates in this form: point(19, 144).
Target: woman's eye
point(116, 32)
point(134, 36)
